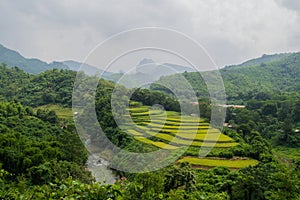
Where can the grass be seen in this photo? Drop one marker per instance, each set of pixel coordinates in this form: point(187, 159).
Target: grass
point(205, 144)
point(149, 112)
point(213, 162)
point(157, 144)
point(135, 103)
point(287, 152)
point(164, 145)
point(178, 123)
point(218, 137)
point(165, 122)
point(185, 119)
point(61, 112)
point(212, 135)
point(178, 141)
point(191, 131)
point(134, 132)
point(164, 117)
point(140, 114)
point(139, 109)
point(286, 155)
point(164, 136)
point(144, 140)
point(176, 131)
point(207, 137)
point(176, 127)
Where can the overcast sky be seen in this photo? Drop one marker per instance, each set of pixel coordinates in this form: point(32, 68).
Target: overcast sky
point(232, 31)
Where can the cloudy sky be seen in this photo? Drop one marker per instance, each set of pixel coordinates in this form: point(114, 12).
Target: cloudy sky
point(231, 31)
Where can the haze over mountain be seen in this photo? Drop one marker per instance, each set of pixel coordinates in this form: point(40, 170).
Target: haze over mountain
point(150, 66)
point(263, 59)
point(268, 74)
point(34, 66)
point(256, 78)
point(88, 69)
point(146, 72)
point(31, 65)
point(145, 68)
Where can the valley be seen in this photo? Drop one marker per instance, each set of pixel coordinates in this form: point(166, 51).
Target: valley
point(257, 149)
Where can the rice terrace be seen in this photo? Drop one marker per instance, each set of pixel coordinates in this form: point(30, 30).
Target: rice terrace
point(170, 130)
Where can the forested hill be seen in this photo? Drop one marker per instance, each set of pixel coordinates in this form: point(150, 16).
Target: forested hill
point(42, 157)
point(273, 77)
point(53, 86)
point(56, 87)
point(30, 65)
point(263, 59)
point(265, 77)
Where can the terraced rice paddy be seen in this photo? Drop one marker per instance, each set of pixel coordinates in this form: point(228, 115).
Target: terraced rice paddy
point(157, 144)
point(213, 162)
point(169, 130)
point(61, 112)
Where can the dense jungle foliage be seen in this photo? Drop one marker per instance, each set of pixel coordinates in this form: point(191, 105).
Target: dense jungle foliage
point(42, 157)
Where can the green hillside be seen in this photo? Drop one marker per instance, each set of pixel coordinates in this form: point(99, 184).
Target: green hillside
point(257, 78)
point(263, 59)
point(30, 65)
point(42, 157)
point(50, 87)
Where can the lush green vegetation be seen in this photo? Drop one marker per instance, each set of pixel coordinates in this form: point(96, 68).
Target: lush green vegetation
point(42, 157)
point(50, 87)
point(209, 162)
point(61, 112)
point(257, 79)
point(277, 119)
point(34, 66)
point(35, 150)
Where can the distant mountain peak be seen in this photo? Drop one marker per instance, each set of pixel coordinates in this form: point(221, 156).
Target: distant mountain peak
point(146, 61)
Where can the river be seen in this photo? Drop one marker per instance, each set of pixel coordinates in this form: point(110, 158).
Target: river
point(100, 170)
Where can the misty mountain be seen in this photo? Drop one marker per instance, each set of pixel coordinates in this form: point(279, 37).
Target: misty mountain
point(263, 59)
point(148, 66)
point(264, 76)
point(35, 66)
point(31, 65)
point(88, 69)
point(148, 71)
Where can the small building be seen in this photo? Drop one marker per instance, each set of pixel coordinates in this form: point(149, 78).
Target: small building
point(228, 125)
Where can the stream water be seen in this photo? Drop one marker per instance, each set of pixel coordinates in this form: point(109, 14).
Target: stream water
point(100, 170)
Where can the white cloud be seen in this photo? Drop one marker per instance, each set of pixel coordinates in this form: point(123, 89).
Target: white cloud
point(231, 30)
